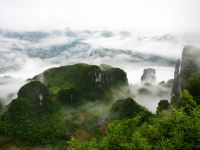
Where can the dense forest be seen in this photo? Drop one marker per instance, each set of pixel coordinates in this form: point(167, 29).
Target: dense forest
point(89, 107)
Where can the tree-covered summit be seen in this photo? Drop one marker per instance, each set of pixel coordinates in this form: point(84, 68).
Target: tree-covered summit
point(91, 82)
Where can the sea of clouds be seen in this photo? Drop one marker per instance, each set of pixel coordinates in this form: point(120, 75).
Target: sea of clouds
point(26, 54)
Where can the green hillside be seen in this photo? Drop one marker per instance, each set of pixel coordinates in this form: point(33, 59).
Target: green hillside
point(44, 111)
point(90, 82)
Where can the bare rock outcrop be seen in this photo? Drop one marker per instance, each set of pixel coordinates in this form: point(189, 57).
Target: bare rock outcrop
point(149, 76)
point(189, 64)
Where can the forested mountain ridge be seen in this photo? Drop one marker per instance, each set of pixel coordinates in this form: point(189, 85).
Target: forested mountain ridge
point(79, 107)
point(55, 104)
point(175, 125)
point(89, 81)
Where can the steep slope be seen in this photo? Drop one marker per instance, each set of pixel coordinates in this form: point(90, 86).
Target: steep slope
point(126, 108)
point(29, 118)
point(188, 66)
point(34, 91)
point(149, 75)
point(35, 117)
point(90, 82)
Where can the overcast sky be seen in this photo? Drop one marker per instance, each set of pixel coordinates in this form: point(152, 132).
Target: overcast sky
point(143, 15)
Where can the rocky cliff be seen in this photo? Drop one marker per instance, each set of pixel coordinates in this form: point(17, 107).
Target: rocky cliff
point(90, 82)
point(149, 75)
point(188, 65)
point(35, 91)
point(50, 107)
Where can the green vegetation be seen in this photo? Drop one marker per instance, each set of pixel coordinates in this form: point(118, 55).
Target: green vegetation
point(163, 105)
point(170, 131)
point(126, 108)
point(29, 117)
point(52, 115)
point(193, 87)
point(89, 81)
point(35, 91)
point(26, 121)
point(68, 97)
point(187, 103)
point(1, 108)
point(53, 111)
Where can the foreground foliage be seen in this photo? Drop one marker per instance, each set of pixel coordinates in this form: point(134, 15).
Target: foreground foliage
point(176, 131)
point(25, 121)
point(169, 129)
point(39, 118)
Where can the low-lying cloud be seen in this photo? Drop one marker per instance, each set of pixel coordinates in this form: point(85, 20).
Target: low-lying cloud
point(25, 54)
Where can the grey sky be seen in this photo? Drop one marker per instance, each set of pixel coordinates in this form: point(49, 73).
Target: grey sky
point(143, 15)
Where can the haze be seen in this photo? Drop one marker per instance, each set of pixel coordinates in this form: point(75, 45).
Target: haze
point(159, 16)
point(131, 34)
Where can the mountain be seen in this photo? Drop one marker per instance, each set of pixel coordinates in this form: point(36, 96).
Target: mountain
point(83, 101)
point(126, 108)
point(149, 75)
point(35, 91)
point(26, 54)
point(174, 126)
point(90, 82)
point(30, 117)
point(58, 103)
point(188, 66)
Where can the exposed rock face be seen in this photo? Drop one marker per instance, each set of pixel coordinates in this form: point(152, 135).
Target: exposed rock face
point(190, 63)
point(148, 75)
point(90, 82)
point(176, 88)
point(34, 91)
point(177, 69)
point(167, 84)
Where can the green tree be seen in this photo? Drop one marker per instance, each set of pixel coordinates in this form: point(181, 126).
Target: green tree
point(193, 87)
point(126, 108)
point(120, 135)
point(186, 102)
point(25, 120)
point(162, 105)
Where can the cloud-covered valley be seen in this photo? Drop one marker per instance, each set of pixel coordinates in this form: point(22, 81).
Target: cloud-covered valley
point(25, 54)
